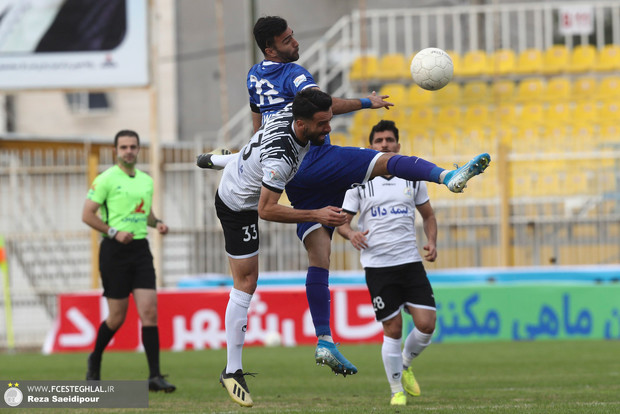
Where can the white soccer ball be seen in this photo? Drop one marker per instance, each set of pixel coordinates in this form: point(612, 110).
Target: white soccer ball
point(432, 68)
point(273, 338)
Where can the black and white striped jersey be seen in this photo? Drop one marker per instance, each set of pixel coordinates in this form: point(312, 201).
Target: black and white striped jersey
point(270, 159)
point(387, 209)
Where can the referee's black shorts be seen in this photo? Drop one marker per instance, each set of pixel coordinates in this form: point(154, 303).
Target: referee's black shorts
point(125, 267)
point(392, 288)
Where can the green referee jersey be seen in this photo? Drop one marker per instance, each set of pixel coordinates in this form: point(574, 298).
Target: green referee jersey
point(125, 200)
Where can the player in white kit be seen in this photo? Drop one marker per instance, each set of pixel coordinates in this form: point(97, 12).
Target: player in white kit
point(395, 274)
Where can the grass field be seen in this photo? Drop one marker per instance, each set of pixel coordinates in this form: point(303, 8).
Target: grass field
point(509, 377)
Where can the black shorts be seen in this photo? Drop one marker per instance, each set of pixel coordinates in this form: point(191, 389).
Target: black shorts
point(125, 267)
point(240, 230)
point(393, 287)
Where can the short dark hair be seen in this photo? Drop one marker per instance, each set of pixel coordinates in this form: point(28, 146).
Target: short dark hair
point(383, 125)
point(266, 29)
point(309, 101)
point(125, 133)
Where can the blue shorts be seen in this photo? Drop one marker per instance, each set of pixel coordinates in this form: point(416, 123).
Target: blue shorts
point(324, 176)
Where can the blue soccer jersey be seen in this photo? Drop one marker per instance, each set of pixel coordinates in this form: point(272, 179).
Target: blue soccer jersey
point(273, 85)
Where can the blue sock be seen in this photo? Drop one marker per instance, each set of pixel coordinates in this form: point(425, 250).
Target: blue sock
point(317, 292)
point(413, 168)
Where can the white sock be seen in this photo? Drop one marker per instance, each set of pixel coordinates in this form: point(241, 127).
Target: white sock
point(222, 160)
point(415, 343)
point(327, 338)
point(236, 321)
point(393, 363)
point(442, 175)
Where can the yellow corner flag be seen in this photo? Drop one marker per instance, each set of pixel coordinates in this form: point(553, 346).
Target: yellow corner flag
point(8, 313)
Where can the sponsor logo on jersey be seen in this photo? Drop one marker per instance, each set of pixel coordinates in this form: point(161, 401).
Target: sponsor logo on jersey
point(273, 175)
point(140, 208)
point(299, 80)
point(408, 191)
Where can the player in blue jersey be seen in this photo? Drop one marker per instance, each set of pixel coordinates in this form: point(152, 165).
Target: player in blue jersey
point(327, 171)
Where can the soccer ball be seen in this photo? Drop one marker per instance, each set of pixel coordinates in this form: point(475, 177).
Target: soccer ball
point(431, 68)
point(272, 339)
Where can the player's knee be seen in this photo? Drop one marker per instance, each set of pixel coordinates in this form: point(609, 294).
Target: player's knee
point(426, 327)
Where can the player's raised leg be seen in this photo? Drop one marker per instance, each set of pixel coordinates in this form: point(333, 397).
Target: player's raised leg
point(216, 159)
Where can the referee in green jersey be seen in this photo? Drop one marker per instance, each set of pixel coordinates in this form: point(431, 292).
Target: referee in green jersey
point(124, 196)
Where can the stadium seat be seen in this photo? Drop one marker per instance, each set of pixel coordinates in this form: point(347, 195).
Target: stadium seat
point(532, 114)
point(448, 95)
point(582, 138)
point(526, 139)
point(364, 67)
point(474, 138)
point(476, 115)
point(365, 119)
point(456, 61)
point(558, 89)
point(585, 113)
point(447, 139)
point(531, 90)
point(530, 61)
point(449, 115)
point(339, 138)
point(608, 58)
point(556, 59)
point(557, 113)
point(506, 114)
point(422, 118)
point(417, 96)
point(608, 88)
point(584, 88)
point(397, 93)
point(582, 59)
point(502, 91)
point(609, 113)
point(475, 63)
point(393, 66)
point(503, 62)
point(475, 92)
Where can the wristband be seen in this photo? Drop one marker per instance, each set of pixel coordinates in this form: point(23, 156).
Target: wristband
point(158, 221)
point(112, 232)
point(366, 103)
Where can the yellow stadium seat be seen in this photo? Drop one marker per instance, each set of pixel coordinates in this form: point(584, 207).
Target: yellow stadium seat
point(475, 63)
point(400, 116)
point(532, 114)
point(530, 61)
point(339, 138)
point(393, 66)
point(397, 94)
point(449, 115)
point(526, 139)
point(506, 114)
point(558, 89)
point(422, 118)
point(503, 62)
point(475, 92)
point(608, 88)
point(557, 113)
point(366, 119)
point(585, 113)
point(358, 135)
point(582, 138)
point(608, 58)
point(609, 135)
point(364, 67)
point(474, 138)
point(502, 91)
point(556, 59)
point(456, 61)
point(448, 95)
point(582, 58)
point(447, 138)
point(531, 90)
point(476, 115)
point(584, 88)
point(609, 113)
point(417, 96)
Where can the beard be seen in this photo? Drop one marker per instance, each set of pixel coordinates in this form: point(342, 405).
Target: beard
point(318, 140)
point(288, 57)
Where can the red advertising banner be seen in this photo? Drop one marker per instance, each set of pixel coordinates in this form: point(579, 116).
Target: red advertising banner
point(194, 319)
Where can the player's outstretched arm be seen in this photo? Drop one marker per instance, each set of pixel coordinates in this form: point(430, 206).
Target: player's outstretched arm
point(373, 101)
point(270, 210)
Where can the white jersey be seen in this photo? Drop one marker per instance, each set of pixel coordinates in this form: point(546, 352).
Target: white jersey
point(270, 159)
point(387, 209)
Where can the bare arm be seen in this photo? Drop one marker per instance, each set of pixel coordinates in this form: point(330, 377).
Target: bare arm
point(343, 106)
point(153, 221)
point(430, 229)
point(270, 210)
point(90, 217)
point(257, 120)
point(357, 238)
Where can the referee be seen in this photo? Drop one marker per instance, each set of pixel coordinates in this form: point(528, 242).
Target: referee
point(124, 195)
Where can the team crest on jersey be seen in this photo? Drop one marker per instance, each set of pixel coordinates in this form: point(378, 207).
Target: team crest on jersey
point(299, 80)
point(408, 191)
point(273, 174)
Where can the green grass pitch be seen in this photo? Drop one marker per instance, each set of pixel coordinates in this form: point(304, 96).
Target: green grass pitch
point(545, 377)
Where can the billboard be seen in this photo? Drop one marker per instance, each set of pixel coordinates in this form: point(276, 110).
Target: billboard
point(50, 44)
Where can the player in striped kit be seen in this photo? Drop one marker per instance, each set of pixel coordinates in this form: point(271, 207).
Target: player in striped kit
point(395, 274)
